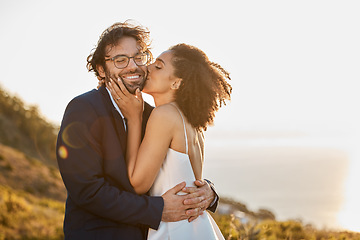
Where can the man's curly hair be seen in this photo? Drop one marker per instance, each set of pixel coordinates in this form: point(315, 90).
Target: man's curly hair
point(204, 87)
point(111, 36)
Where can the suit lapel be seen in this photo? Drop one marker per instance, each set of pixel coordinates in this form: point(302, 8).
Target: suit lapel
point(116, 119)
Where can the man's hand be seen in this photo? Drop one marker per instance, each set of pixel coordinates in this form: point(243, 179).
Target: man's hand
point(174, 208)
point(190, 206)
point(198, 199)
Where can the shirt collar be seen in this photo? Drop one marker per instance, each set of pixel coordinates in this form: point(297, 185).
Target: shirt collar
point(114, 103)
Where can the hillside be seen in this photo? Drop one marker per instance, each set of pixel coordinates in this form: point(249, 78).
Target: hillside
point(32, 197)
point(26, 216)
point(32, 194)
point(22, 127)
point(22, 172)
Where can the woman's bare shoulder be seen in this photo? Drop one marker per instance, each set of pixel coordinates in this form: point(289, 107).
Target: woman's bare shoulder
point(166, 111)
point(165, 115)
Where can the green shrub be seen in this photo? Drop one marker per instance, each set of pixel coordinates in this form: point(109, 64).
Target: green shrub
point(23, 216)
point(233, 229)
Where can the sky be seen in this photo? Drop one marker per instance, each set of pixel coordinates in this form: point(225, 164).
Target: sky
point(294, 64)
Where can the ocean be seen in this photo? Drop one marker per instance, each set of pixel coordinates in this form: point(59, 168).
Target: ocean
point(294, 181)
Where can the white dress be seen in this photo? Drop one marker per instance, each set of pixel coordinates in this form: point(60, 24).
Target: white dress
point(177, 168)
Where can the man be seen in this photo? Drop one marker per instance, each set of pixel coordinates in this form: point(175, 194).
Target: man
point(101, 202)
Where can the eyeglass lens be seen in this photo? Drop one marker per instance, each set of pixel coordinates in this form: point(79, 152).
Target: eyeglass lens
point(122, 61)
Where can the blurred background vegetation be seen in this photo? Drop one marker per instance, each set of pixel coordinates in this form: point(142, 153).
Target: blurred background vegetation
point(32, 195)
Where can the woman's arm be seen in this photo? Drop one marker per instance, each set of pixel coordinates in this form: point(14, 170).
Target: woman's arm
point(153, 149)
point(144, 161)
point(133, 144)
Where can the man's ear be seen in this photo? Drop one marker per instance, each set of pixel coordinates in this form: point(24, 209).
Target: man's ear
point(100, 70)
point(176, 84)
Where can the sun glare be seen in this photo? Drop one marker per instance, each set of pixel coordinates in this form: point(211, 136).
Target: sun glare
point(63, 153)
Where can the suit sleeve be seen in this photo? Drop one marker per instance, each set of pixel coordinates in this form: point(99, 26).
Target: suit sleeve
point(79, 154)
point(214, 204)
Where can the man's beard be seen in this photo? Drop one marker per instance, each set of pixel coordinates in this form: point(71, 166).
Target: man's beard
point(130, 87)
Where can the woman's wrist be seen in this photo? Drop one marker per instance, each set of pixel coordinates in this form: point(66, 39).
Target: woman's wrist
point(134, 121)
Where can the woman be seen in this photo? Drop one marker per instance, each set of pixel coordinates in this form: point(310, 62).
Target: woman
point(187, 89)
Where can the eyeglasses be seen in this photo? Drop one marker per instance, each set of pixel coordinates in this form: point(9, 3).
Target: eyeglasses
point(122, 61)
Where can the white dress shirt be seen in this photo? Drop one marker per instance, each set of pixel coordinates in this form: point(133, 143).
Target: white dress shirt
point(116, 107)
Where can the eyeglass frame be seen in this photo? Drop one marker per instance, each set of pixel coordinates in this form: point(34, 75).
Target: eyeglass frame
point(128, 59)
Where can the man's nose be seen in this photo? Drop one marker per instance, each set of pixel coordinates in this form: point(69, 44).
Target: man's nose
point(132, 65)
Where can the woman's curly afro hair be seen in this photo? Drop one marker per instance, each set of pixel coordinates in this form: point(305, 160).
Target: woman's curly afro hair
point(204, 87)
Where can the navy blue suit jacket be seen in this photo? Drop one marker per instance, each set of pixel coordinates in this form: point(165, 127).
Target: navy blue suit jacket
point(101, 202)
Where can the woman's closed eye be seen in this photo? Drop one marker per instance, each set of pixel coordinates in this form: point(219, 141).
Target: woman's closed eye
point(159, 63)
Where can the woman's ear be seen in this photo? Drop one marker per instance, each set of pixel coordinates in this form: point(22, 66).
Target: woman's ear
point(176, 83)
point(100, 70)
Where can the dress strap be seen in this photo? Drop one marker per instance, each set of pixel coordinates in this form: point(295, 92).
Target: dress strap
point(186, 140)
